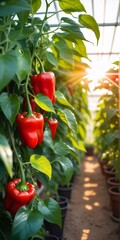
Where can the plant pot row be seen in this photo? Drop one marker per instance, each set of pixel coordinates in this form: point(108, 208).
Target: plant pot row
point(64, 193)
point(113, 186)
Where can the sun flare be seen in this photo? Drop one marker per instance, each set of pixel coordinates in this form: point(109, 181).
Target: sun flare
point(96, 71)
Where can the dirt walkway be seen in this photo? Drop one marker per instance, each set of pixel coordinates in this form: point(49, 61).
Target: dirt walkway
point(89, 214)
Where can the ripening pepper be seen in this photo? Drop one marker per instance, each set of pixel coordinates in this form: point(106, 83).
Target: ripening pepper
point(53, 123)
point(44, 83)
point(15, 198)
point(31, 128)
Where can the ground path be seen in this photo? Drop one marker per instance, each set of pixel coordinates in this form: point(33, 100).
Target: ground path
point(89, 213)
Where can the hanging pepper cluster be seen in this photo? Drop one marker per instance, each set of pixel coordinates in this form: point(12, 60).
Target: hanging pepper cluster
point(31, 124)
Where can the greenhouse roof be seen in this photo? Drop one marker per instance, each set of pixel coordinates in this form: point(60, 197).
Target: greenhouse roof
point(107, 15)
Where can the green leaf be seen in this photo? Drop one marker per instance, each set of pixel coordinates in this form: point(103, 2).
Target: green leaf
point(67, 167)
point(10, 106)
point(8, 66)
point(64, 51)
point(68, 6)
point(81, 48)
point(24, 63)
point(61, 148)
point(6, 154)
point(74, 31)
point(69, 118)
point(51, 58)
point(47, 137)
point(116, 134)
point(23, 16)
point(89, 22)
point(42, 164)
point(61, 99)
point(77, 144)
point(21, 33)
point(111, 113)
point(13, 6)
point(70, 21)
point(44, 102)
point(51, 210)
point(35, 6)
point(26, 223)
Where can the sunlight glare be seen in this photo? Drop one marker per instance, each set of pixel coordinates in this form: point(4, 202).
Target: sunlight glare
point(88, 207)
point(85, 234)
point(96, 71)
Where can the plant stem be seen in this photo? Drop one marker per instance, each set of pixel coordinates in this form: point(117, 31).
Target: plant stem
point(23, 180)
point(29, 113)
point(41, 64)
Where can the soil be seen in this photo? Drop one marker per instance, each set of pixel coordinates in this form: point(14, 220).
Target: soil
point(89, 211)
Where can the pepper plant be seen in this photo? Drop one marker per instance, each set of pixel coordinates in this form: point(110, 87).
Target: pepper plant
point(32, 58)
point(107, 121)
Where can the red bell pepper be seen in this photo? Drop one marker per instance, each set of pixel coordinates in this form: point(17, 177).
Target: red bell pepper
point(15, 198)
point(44, 83)
point(30, 128)
point(53, 123)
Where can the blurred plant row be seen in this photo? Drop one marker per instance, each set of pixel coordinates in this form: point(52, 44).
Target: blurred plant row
point(107, 125)
point(43, 110)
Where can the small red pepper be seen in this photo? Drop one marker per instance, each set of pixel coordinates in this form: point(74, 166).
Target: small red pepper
point(53, 123)
point(39, 184)
point(30, 128)
point(70, 88)
point(32, 103)
point(113, 75)
point(44, 83)
point(15, 198)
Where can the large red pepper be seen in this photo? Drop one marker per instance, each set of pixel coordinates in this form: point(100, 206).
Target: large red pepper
point(44, 83)
point(15, 198)
point(30, 128)
point(53, 123)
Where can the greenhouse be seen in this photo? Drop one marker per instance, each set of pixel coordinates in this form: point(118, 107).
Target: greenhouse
point(60, 120)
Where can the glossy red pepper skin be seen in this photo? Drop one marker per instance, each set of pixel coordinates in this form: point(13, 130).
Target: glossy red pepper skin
point(31, 129)
point(53, 123)
point(14, 198)
point(44, 83)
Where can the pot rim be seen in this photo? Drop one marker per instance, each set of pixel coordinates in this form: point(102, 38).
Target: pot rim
point(109, 180)
point(61, 199)
point(51, 235)
point(112, 190)
point(65, 188)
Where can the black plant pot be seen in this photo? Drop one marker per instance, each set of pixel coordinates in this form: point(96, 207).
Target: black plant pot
point(115, 202)
point(51, 237)
point(54, 229)
point(65, 191)
point(89, 151)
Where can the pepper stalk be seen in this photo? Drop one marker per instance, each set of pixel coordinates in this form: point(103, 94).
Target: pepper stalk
point(29, 113)
point(22, 186)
